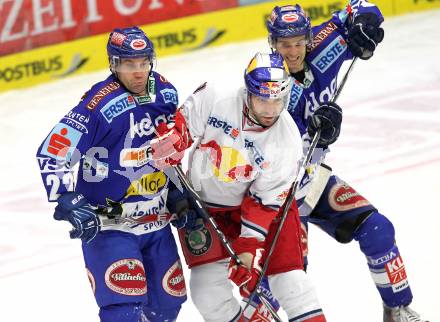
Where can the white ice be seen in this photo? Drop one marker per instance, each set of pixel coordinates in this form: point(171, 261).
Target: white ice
point(389, 150)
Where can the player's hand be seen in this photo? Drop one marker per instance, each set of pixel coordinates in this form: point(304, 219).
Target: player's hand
point(328, 118)
point(246, 275)
point(188, 219)
point(171, 142)
point(74, 208)
point(365, 34)
point(187, 214)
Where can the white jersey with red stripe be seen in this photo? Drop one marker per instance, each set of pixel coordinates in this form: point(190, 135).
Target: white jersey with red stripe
point(237, 163)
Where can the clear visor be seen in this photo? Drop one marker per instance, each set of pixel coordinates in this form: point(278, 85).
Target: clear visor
point(132, 65)
point(268, 107)
point(287, 43)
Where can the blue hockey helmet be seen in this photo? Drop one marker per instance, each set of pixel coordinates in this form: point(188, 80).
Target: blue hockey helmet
point(288, 21)
point(129, 42)
point(267, 76)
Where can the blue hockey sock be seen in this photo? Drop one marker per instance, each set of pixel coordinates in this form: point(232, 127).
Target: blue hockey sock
point(376, 240)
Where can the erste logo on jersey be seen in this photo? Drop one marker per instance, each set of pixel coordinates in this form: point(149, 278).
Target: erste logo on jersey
point(256, 154)
point(62, 140)
point(330, 54)
point(127, 276)
point(117, 106)
point(227, 128)
point(173, 282)
point(295, 95)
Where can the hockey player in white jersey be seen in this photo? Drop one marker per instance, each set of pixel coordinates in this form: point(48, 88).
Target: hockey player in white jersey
point(243, 166)
point(315, 55)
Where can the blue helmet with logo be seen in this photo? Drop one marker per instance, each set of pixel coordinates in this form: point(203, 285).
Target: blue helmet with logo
point(288, 21)
point(129, 42)
point(267, 76)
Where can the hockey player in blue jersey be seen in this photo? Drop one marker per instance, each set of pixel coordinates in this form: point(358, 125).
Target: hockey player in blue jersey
point(119, 206)
point(314, 56)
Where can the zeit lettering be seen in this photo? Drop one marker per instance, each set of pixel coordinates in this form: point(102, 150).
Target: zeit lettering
point(17, 25)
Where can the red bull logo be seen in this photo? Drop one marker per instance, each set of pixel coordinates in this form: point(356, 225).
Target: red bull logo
point(227, 163)
point(270, 88)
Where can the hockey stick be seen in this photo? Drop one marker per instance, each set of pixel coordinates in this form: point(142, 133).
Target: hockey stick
point(226, 244)
point(112, 219)
point(291, 196)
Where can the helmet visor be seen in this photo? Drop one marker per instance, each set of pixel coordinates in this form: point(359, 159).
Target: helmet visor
point(267, 110)
point(132, 65)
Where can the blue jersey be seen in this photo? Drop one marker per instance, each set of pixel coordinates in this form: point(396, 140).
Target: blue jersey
point(107, 137)
point(323, 61)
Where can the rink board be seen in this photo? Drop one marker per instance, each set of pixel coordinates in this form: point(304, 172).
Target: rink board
point(171, 37)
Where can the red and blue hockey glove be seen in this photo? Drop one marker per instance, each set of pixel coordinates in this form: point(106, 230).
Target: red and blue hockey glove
point(74, 208)
point(365, 34)
point(251, 253)
point(171, 142)
point(328, 118)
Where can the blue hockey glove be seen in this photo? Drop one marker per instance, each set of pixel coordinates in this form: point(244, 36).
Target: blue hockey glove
point(328, 118)
point(74, 208)
point(365, 34)
point(180, 203)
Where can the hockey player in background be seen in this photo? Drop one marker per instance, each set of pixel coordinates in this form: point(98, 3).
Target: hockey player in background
point(314, 56)
point(133, 265)
point(243, 166)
